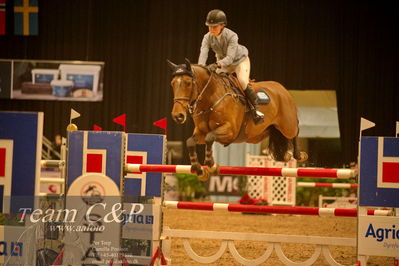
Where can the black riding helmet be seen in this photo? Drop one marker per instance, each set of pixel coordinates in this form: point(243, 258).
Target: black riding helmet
point(216, 17)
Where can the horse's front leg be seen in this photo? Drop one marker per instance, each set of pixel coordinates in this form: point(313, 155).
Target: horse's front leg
point(192, 151)
point(222, 134)
point(209, 161)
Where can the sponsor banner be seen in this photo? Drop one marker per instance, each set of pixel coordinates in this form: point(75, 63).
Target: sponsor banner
point(27, 236)
point(20, 155)
point(138, 223)
point(51, 80)
point(91, 226)
point(144, 149)
point(223, 185)
point(95, 152)
point(15, 249)
point(94, 235)
point(378, 236)
point(379, 172)
point(51, 187)
point(139, 231)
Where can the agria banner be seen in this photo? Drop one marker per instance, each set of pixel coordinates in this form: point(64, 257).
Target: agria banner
point(378, 236)
point(379, 187)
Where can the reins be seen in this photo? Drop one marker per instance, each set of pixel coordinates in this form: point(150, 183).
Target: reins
point(193, 106)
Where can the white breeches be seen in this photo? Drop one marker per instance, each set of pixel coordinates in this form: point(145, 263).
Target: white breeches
point(242, 70)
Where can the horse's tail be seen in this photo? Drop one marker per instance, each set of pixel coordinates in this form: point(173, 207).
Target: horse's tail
point(278, 144)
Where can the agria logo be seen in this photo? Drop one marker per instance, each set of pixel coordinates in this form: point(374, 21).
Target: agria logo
point(381, 234)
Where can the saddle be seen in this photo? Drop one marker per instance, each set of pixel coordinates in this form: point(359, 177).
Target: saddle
point(231, 80)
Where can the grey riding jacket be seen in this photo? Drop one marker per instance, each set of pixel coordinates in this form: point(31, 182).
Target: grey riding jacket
point(228, 51)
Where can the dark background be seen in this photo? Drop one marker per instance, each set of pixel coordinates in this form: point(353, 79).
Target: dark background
point(347, 46)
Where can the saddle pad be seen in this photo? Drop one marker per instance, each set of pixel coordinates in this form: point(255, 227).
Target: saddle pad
point(263, 98)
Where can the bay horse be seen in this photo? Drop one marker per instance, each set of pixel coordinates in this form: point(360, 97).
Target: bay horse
point(221, 114)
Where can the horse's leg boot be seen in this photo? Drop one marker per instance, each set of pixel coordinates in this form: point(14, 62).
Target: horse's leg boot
point(253, 100)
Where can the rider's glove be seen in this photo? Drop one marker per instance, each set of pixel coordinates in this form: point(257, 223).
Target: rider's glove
point(212, 67)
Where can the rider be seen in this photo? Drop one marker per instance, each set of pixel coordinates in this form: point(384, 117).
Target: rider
point(231, 56)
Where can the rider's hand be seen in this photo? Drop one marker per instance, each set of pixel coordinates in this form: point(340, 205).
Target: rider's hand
point(212, 67)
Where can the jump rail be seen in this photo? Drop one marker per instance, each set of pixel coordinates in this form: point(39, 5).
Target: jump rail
point(257, 171)
point(230, 170)
point(333, 185)
point(211, 206)
point(52, 163)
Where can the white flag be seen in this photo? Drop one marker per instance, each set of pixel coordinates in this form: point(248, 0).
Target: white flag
point(74, 114)
point(365, 124)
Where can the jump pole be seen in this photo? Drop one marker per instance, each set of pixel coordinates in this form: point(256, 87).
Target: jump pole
point(332, 185)
point(230, 170)
point(256, 171)
point(211, 206)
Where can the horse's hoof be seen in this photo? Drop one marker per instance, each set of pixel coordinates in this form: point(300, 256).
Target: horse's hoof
point(303, 157)
point(204, 176)
point(287, 156)
point(214, 170)
point(196, 168)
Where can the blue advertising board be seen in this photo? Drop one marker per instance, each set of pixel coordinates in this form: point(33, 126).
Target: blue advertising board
point(379, 172)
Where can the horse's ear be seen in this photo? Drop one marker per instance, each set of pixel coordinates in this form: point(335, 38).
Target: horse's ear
point(171, 65)
point(188, 64)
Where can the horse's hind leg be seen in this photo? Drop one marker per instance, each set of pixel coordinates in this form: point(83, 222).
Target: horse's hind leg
point(300, 156)
point(209, 139)
point(209, 161)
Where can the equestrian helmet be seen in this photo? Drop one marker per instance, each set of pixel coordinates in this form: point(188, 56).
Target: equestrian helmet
point(216, 17)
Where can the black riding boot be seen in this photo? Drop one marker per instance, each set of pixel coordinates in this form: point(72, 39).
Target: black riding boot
point(253, 99)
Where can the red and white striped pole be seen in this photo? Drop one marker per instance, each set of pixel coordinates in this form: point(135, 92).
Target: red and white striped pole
point(333, 185)
point(256, 171)
point(211, 206)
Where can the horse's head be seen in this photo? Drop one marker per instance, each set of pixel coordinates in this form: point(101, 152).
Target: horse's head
point(184, 91)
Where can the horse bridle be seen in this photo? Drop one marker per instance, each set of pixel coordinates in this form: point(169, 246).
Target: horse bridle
point(189, 99)
point(192, 106)
point(192, 102)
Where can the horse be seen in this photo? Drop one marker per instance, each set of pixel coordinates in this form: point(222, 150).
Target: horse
point(221, 114)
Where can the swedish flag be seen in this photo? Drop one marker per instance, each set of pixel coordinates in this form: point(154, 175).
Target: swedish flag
point(26, 19)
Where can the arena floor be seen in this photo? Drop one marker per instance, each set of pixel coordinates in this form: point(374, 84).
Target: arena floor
point(281, 224)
